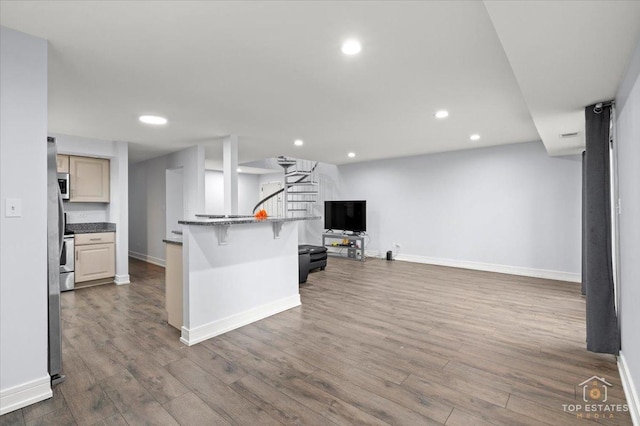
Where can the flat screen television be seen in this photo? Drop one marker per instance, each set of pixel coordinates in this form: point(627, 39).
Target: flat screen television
point(346, 215)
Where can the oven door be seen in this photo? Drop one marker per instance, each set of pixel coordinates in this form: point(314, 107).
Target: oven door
point(63, 183)
point(67, 258)
point(67, 265)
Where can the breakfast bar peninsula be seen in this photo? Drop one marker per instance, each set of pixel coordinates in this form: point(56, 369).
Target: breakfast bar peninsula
point(236, 270)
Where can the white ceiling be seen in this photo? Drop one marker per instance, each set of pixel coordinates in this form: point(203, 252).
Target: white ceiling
point(272, 72)
point(566, 55)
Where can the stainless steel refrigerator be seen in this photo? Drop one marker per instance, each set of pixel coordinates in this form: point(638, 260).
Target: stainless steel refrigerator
point(55, 234)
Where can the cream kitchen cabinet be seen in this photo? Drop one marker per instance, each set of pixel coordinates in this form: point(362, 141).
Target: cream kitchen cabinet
point(95, 256)
point(62, 163)
point(173, 284)
point(89, 178)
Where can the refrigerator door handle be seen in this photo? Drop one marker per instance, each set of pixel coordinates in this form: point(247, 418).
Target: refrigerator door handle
point(61, 224)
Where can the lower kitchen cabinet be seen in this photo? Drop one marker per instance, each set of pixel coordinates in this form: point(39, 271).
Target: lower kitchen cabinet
point(95, 256)
point(173, 284)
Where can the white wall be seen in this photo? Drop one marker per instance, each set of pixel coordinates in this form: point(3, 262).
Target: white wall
point(270, 178)
point(117, 210)
point(248, 192)
point(508, 209)
point(174, 202)
point(23, 240)
point(275, 205)
point(628, 153)
point(147, 199)
point(231, 285)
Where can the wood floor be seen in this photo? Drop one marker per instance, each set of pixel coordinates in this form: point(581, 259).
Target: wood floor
point(373, 343)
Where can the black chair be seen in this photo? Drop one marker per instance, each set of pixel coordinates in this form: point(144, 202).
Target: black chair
point(317, 255)
point(304, 259)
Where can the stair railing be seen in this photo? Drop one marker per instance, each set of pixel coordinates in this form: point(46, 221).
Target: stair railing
point(281, 190)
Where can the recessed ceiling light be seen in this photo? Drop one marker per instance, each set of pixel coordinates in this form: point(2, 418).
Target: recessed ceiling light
point(298, 142)
point(442, 114)
point(238, 169)
point(351, 154)
point(474, 137)
point(351, 47)
point(153, 119)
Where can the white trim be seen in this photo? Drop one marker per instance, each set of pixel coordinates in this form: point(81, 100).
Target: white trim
point(25, 394)
point(121, 279)
point(147, 258)
point(192, 336)
point(630, 391)
point(489, 267)
point(376, 254)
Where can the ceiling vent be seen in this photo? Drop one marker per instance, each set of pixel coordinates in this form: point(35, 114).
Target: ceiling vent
point(568, 135)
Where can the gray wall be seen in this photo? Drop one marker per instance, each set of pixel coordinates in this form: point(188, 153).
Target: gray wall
point(510, 208)
point(147, 199)
point(628, 153)
point(23, 246)
point(248, 192)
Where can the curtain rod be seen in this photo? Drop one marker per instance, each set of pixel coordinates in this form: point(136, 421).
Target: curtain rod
point(597, 108)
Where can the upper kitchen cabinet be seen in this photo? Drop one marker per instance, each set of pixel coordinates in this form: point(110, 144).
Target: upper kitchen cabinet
point(89, 179)
point(62, 163)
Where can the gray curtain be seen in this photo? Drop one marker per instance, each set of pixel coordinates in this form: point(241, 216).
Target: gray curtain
point(602, 322)
point(584, 223)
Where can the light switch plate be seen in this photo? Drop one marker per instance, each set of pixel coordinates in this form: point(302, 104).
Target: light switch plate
point(13, 207)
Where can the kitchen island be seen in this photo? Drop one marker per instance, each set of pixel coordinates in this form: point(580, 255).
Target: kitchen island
point(236, 271)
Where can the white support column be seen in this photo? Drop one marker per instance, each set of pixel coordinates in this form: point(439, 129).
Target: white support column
point(119, 209)
point(230, 168)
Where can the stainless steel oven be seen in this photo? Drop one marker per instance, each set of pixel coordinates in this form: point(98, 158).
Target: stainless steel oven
point(63, 183)
point(67, 264)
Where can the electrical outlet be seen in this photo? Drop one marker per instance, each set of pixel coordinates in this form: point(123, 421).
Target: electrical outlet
point(13, 207)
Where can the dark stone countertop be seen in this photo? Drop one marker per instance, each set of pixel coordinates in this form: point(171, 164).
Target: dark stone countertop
point(89, 228)
point(173, 240)
point(222, 216)
point(242, 220)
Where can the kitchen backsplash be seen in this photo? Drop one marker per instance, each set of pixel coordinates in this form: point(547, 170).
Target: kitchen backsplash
point(86, 212)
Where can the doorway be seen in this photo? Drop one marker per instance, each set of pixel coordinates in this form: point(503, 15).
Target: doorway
point(273, 206)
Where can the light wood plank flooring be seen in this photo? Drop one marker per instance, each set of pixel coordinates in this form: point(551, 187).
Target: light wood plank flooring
point(374, 343)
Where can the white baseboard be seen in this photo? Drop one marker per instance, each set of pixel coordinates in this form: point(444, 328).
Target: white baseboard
point(25, 394)
point(121, 279)
point(630, 390)
point(488, 267)
point(147, 258)
point(196, 335)
point(370, 253)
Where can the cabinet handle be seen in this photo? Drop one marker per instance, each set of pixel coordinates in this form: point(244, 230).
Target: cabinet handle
point(76, 255)
point(95, 239)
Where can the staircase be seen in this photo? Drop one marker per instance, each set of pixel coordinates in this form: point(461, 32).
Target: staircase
point(300, 187)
